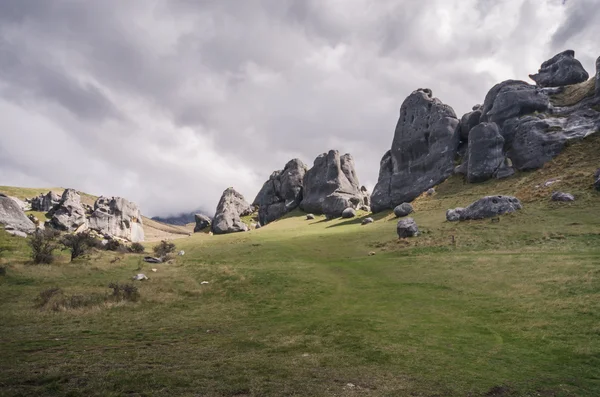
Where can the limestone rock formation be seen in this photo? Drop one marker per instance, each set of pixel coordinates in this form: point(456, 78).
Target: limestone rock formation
point(229, 210)
point(117, 217)
point(513, 98)
point(13, 218)
point(485, 152)
point(468, 121)
point(403, 210)
point(560, 70)
point(45, 202)
point(331, 185)
point(407, 228)
point(561, 196)
point(349, 213)
point(486, 207)
point(69, 215)
point(282, 193)
point(422, 154)
point(202, 222)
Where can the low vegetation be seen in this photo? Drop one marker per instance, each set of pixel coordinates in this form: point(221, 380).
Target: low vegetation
point(43, 243)
point(164, 249)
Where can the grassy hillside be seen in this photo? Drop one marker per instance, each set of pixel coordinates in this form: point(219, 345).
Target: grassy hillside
point(304, 308)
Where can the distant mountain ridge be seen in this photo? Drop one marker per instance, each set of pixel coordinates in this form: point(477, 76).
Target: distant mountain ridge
point(181, 219)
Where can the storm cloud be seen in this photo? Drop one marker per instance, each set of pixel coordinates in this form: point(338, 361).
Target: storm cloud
point(168, 103)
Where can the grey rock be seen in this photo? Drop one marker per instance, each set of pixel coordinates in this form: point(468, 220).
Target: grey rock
point(561, 196)
point(139, 277)
point(24, 206)
point(69, 215)
point(181, 253)
point(485, 152)
point(366, 196)
point(422, 154)
point(513, 98)
point(468, 121)
point(366, 221)
point(231, 207)
point(364, 208)
point(597, 179)
point(598, 77)
point(257, 226)
point(151, 259)
point(15, 232)
point(310, 217)
point(12, 216)
point(403, 210)
point(486, 207)
point(202, 222)
point(331, 185)
point(505, 170)
point(45, 202)
point(430, 191)
point(349, 213)
point(551, 182)
point(407, 228)
point(282, 193)
point(562, 69)
point(117, 217)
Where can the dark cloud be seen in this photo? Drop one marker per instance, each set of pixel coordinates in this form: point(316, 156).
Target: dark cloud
point(170, 102)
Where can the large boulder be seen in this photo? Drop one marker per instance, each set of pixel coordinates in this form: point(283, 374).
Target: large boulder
point(349, 213)
point(202, 222)
point(282, 193)
point(560, 70)
point(13, 218)
point(45, 202)
point(117, 217)
point(485, 152)
point(331, 185)
point(486, 207)
point(422, 154)
point(513, 98)
point(231, 207)
point(562, 196)
point(69, 215)
point(407, 228)
point(403, 210)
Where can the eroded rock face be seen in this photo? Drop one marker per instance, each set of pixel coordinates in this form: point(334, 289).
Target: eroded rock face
point(513, 98)
point(45, 202)
point(407, 228)
point(486, 207)
point(331, 185)
point(69, 215)
point(468, 121)
point(560, 70)
point(13, 218)
point(202, 222)
point(229, 210)
point(282, 193)
point(422, 154)
point(485, 152)
point(117, 217)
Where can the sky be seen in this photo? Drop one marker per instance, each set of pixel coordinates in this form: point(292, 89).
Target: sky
point(169, 102)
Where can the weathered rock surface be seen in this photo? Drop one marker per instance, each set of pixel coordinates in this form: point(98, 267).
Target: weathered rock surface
point(202, 222)
point(407, 228)
point(485, 152)
point(422, 154)
point(24, 206)
point(349, 213)
point(229, 210)
point(561, 196)
point(430, 191)
point(513, 98)
point(69, 215)
point(486, 207)
point(560, 70)
point(331, 185)
point(366, 221)
point(13, 218)
point(598, 77)
point(45, 202)
point(282, 193)
point(468, 121)
point(403, 210)
point(117, 217)
point(597, 179)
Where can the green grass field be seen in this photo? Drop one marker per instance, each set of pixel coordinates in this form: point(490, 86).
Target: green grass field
point(300, 308)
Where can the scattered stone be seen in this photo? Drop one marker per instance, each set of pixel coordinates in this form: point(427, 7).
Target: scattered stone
point(560, 196)
point(140, 277)
point(181, 253)
point(45, 202)
point(154, 269)
point(227, 217)
point(505, 170)
point(349, 213)
point(371, 253)
point(14, 232)
point(430, 191)
point(513, 98)
point(560, 70)
point(13, 218)
point(422, 153)
point(551, 182)
point(486, 207)
point(310, 217)
point(305, 355)
point(403, 210)
point(117, 217)
point(485, 152)
point(366, 221)
point(204, 282)
point(331, 185)
point(151, 259)
point(257, 226)
point(407, 228)
point(202, 222)
point(69, 215)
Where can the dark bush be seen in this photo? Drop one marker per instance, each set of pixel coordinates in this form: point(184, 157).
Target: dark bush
point(113, 245)
point(2, 271)
point(43, 243)
point(137, 248)
point(124, 292)
point(78, 243)
point(163, 249)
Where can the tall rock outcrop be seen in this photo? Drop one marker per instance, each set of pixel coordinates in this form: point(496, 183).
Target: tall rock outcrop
point(231, 207)
point(13, 217)
point(69, 215)
point(45, 202)
point(485, 152)
point(331, 185)
point(117, 217)
point(422, 154)
point(598, 77)
point(282, 193)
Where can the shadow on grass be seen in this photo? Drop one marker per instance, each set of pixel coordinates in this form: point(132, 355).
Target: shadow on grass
point(358, 220)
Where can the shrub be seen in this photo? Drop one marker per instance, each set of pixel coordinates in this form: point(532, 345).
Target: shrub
point(137, 248)
point(78, 243)
point(124, 292)
point(113, 245)
point(43, 243)
point(163, 249)
point(55, 299)
point(44, 297)
point(2, 271)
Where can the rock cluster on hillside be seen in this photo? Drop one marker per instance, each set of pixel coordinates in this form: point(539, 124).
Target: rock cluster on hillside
point(69, 215)
point(45, 202)
point(117, 217)
point(202, 222)
point(231, 207)
point(13, 218)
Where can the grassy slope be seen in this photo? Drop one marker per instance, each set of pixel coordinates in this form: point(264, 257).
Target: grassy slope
point(300, 308)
